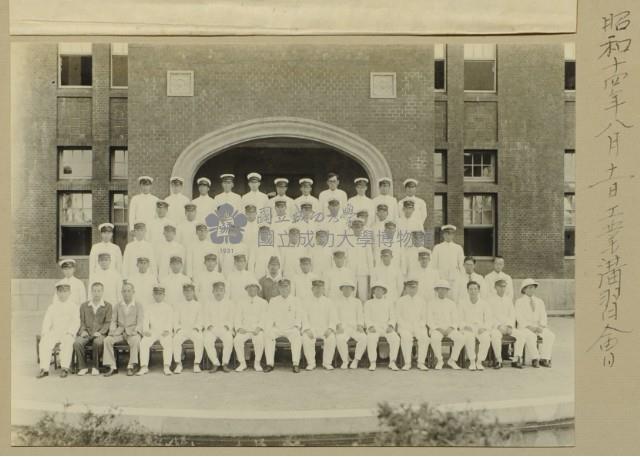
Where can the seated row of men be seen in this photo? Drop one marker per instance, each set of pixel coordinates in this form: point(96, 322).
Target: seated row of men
point(475, 324)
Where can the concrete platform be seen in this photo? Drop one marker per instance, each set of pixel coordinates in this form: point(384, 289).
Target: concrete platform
point(281, 402)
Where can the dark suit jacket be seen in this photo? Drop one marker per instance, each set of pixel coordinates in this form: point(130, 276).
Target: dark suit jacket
point(99, 321)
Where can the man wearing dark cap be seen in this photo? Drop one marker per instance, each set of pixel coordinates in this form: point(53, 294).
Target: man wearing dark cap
point(138, 247)
point(155, 227)
point(320, 318)
point(218, 314)
point(158, 326)
point(186, 230)
point(168, 248)
point(105, 245)
point(176, 200)
point(197, 249)
point(109, 278)
point(209, 275)
point(143, 280)
point(78, 290)
point(174, 281)
point(187, 326)
point(284, 318)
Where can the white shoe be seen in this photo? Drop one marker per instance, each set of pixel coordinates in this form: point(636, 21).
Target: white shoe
point(167, 370)
point(480, 366)
point(472, 366)
point(328, 367)
point(142, 370)
point(241, 367)
point(354, 364)
point(406, 367)
point(453, 364)
point(83, 372)
point(372, 367)
point(95, 372)
point(422, 367)
point(393, 366)
point(196, 368)
point(439, 364)
point(344, 365)
point(178, 369)
point(257, 367)
point(310, 367)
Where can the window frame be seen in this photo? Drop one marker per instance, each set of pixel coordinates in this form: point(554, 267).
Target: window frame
point(493, 225)
point(112, 152)
point(61, 225)
point(443, 165)
point(572, 153)
point(124, 224)
point(437, 229)
point(440, 59)
point(118, 53)
point(79, 53)
point(61, 149)
point(494, 165)
point(566, 226)
point(569, 56)
point(495, 69)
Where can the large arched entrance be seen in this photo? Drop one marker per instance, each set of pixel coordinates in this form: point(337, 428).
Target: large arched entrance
point(294, 138)
point(292, 158)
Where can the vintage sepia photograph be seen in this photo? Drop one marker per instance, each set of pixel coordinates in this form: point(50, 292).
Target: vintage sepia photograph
point(261, 242)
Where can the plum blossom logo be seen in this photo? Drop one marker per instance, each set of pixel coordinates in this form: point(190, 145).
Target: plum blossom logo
point(226, 225)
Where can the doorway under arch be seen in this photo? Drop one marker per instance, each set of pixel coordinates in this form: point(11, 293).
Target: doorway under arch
point(318, 135)
point(291, 158)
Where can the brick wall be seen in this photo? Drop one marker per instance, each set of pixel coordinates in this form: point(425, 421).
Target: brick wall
point(530, 121)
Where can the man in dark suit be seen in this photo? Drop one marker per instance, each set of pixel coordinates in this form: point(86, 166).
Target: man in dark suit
point(95, 319)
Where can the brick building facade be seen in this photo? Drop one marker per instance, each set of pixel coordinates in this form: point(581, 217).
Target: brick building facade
point(314, 93)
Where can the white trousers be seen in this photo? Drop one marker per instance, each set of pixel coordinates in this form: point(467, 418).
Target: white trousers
point(485, 339)
point(292, 334)
point(362, 287)
point(145, 347)
point(328, 350)
point(518, 346)
point(342, 341)
point(210, 338)
point(183, 335)
point(258, 345)
point(436, 343)
point(406, 343)
point(372, 344)
point(48, 341)
point(531, 341)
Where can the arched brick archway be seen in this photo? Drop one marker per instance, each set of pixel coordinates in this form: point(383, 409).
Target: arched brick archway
point(220, 140)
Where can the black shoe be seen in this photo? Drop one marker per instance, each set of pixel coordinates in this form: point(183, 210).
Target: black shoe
point(64, 373)
point(214, 369)
point(545, 363)
point(226, 369)
point(130, 371)
point(42, 374)
point(111, 372)
point(535, 364)
point(296, 369)
point(498, 365)
point(268, 368)
point(517, 363)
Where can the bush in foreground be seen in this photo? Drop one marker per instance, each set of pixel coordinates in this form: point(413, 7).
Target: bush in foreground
point(426, 425)
point(92, 429)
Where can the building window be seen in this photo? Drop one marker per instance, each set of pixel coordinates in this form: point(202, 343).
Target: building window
point(440, 165)
point(570, 166)
point(119, 163)
point(440, 67)
point(569, 66)
point(480, 67)
point(480, 165)
point(75, 163)
point(439, 215)
point(479, 224)
point(75, 64)
point(120, 218)
point(119, 65)
point(569, 225)
point(75, 224)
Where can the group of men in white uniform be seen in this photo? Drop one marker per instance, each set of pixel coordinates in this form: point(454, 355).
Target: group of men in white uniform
point(327, 269)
